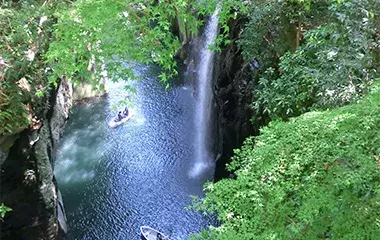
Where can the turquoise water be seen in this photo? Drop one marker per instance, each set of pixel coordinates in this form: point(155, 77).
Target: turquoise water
point(115, 180)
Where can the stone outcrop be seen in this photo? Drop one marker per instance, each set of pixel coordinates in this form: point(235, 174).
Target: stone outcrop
point(28, 185)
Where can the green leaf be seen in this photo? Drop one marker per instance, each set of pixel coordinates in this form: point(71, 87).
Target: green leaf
point(4, 209)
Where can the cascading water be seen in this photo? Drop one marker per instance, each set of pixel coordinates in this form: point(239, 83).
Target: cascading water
point(204, 98)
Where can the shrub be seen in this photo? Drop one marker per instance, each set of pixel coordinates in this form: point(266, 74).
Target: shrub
point(316, 176)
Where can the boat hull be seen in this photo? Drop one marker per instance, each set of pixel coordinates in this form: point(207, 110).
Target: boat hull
point(148, 233)
point(114, 123)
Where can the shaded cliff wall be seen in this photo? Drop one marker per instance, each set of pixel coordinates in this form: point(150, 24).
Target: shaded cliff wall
point(28, 185)
point(234, 83)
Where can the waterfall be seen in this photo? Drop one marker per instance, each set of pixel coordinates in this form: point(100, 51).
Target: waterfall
point(203, 156)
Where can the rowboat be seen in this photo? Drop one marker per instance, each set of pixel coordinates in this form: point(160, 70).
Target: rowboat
point(116, 122)
point(148, 233)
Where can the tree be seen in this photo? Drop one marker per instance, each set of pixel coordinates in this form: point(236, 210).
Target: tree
point(313, 177)
point(313, 54)
point(140, 31)
point(104, 34)
point(25, 35)
point(86, 41)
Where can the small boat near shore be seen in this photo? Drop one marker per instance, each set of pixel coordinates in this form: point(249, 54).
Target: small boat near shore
point(148, 233)
point(116, 122)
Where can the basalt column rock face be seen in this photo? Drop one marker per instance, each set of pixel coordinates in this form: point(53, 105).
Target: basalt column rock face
point(233, 94)
point(27, 181)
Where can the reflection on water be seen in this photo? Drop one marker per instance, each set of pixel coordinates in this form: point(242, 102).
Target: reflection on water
point(115, 180)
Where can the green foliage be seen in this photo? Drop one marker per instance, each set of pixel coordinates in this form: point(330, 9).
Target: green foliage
point(92, 33)
point(227, 10)
point(3, 210)
point(272, 27)
point(314, 177)
point(313, 54)
point(87, 41)
point(25, 33)
point(333, 67)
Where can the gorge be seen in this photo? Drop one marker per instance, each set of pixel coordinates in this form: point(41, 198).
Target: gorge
point(96, 167)
point(247, 119)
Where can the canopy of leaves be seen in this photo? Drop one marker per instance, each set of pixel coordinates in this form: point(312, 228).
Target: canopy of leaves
point(87, 41)
point(314, 177)
point(313, 54)
point(90, 34)
point(272, 26)
point(25, 34)
point(95, 32)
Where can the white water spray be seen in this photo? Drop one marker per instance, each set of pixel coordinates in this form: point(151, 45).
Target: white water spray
point(203, 158)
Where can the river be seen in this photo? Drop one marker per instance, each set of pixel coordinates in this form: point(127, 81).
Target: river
point(115, 180)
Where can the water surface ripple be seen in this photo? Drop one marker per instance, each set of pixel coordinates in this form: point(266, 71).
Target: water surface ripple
point(115, 180)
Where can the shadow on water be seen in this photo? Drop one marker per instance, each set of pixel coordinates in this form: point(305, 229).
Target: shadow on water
point(115, 180)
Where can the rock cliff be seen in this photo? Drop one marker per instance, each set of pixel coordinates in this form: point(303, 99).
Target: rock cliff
point(234, 83)
point(28, 185)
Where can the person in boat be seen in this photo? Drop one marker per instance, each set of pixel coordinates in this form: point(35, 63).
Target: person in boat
point(159, 236)
point(126, 111)
point(119, 116)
